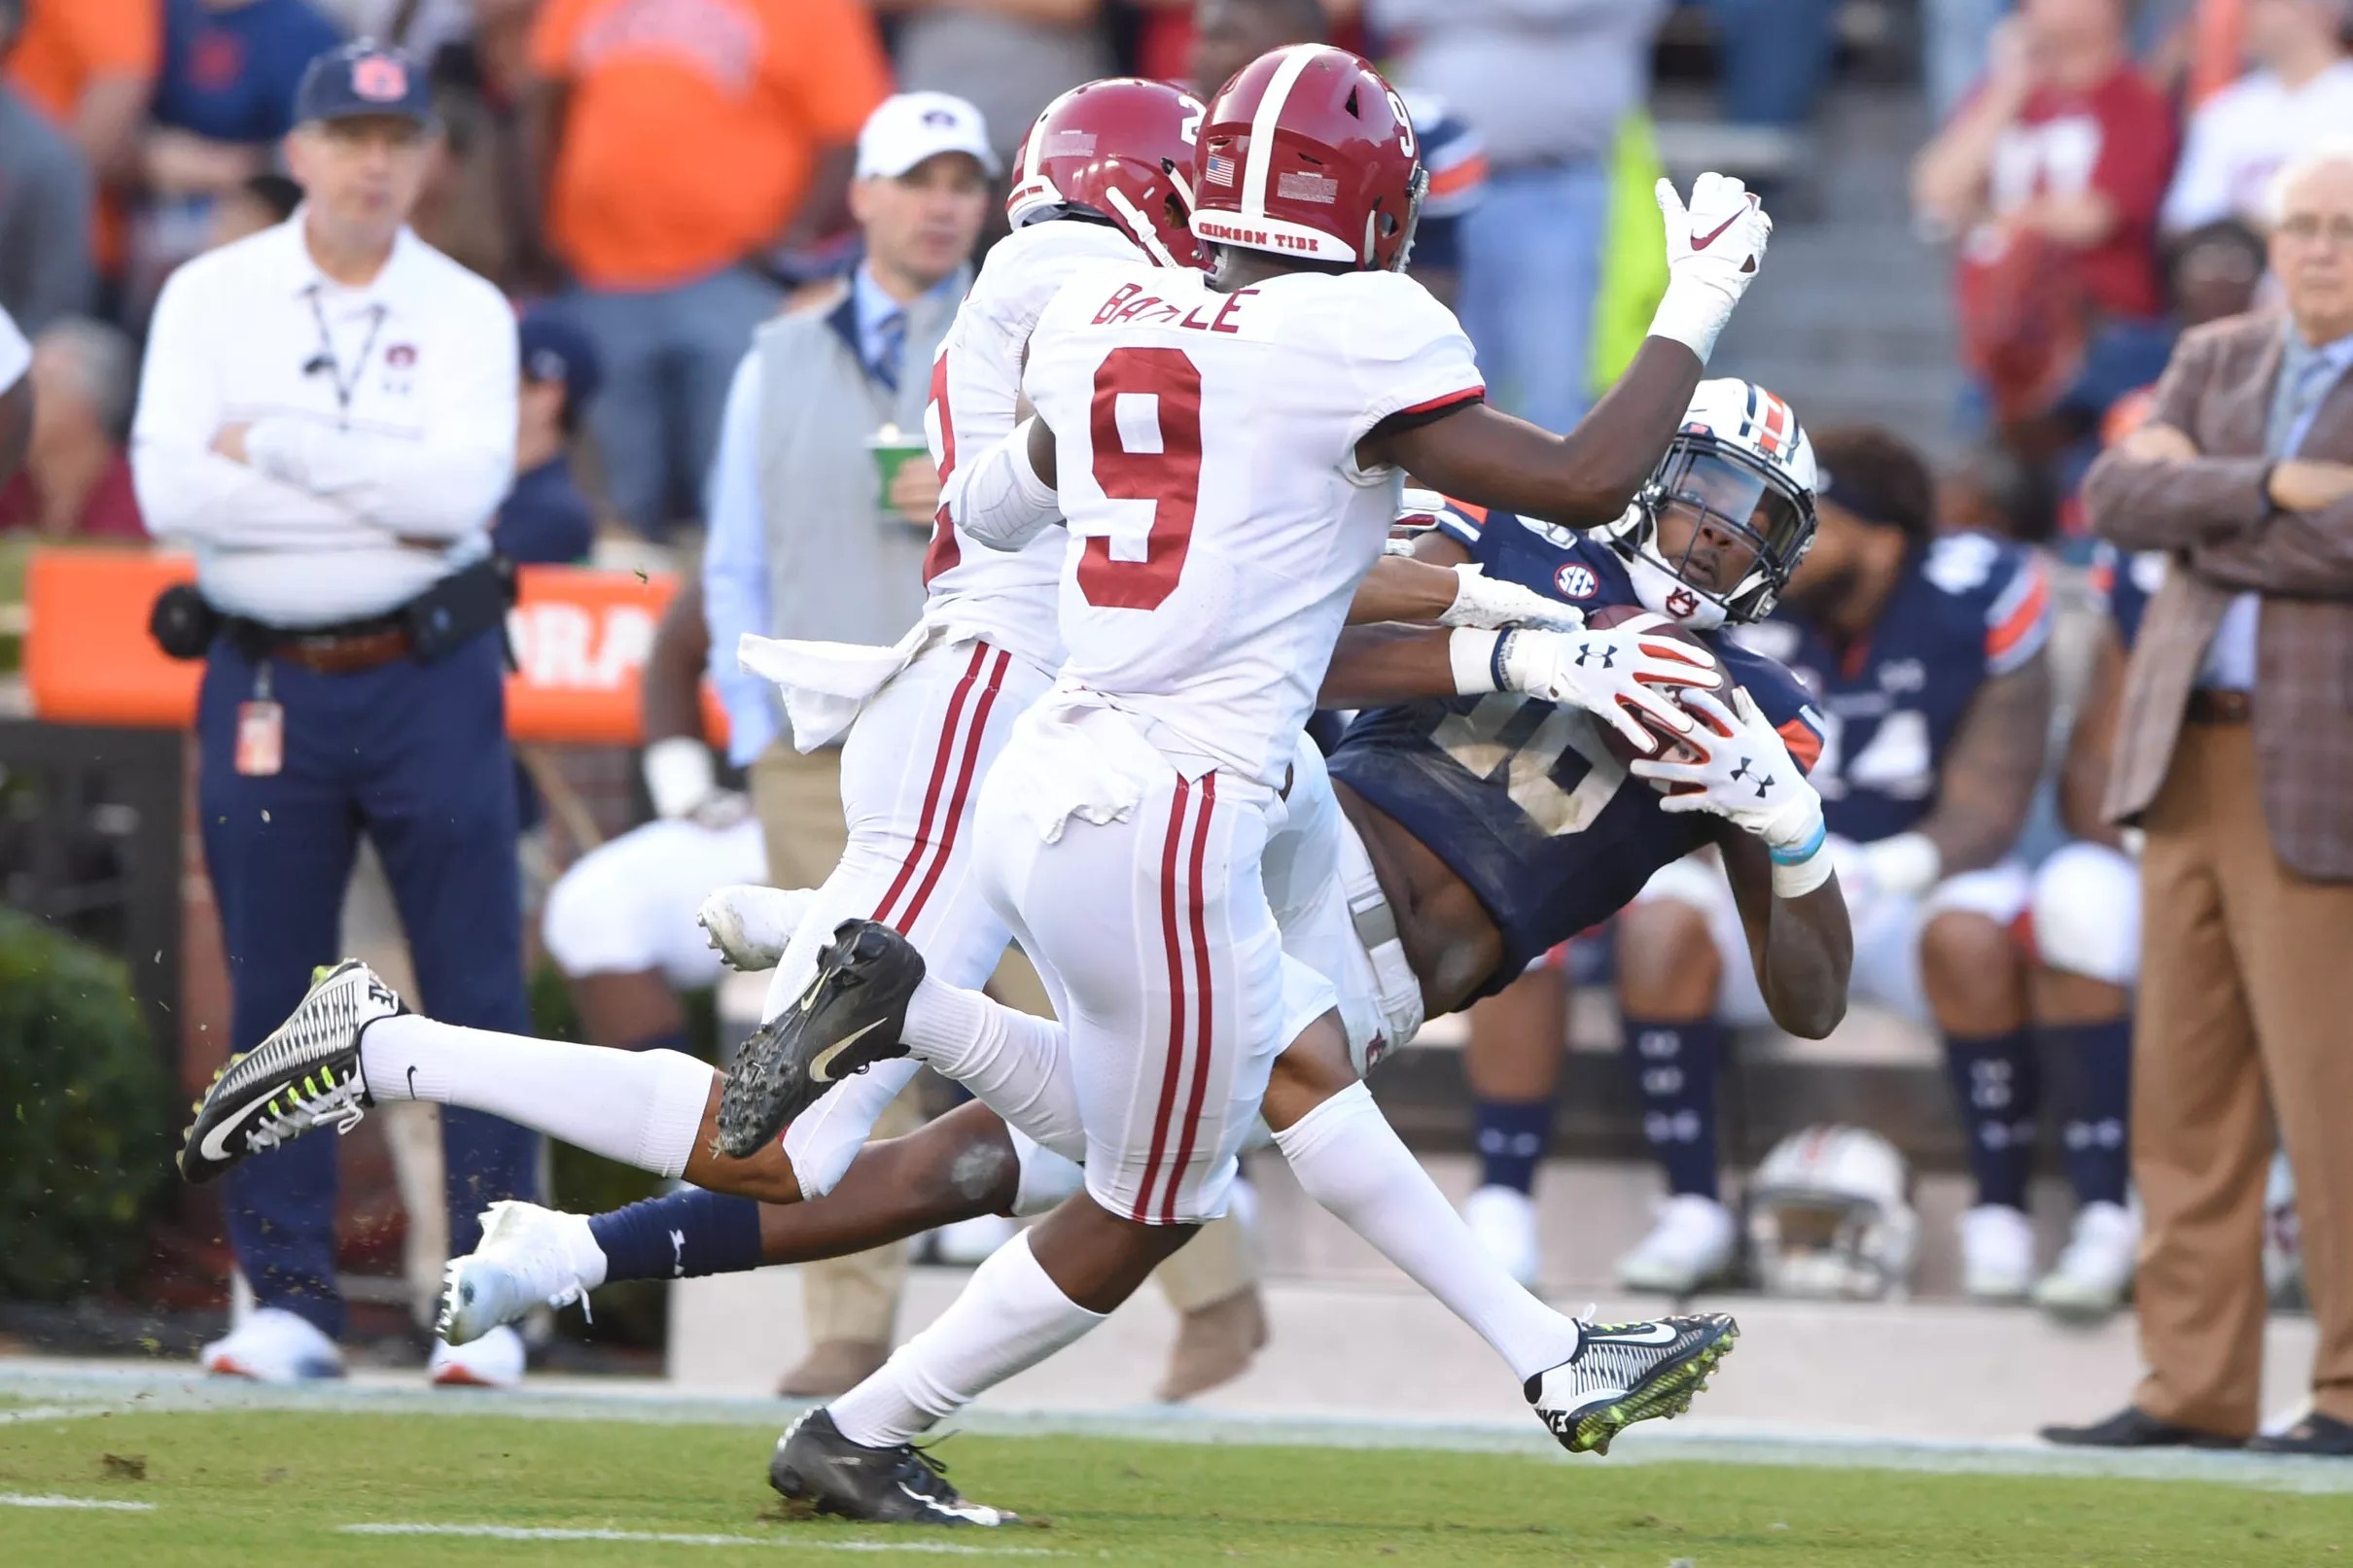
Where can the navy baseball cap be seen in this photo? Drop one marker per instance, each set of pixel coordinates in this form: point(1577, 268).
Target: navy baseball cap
point(551, 347)
point(364, 78)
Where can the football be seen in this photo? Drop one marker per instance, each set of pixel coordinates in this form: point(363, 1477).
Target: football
point(1666, 746)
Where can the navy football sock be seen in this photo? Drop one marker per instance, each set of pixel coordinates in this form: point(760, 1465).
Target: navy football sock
point(1999, 1085)
point(1512, 1139)
point(2099, 1080)
point(1677, 1065)
point(679, 1237)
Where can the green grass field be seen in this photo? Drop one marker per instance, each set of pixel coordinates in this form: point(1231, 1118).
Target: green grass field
point(266, 1487)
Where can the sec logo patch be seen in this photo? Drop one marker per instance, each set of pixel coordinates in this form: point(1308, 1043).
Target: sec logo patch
point(1576, 581)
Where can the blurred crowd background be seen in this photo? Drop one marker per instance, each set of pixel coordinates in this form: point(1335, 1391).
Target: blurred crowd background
point(1994, 221)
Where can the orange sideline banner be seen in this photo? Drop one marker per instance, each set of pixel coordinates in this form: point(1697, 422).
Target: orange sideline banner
point(580, 639)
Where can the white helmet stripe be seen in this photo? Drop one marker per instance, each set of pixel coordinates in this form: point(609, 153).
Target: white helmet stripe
point(1036, 141)
point(1296, 59)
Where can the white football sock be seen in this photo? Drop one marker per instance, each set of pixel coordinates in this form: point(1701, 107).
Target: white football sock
point(1015, 1064)
point(1352, 1161)
point(822, 1141)
point(1010, 1317)
point(640, 1107)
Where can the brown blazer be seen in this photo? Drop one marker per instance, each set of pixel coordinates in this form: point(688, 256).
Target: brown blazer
point(2211, 514)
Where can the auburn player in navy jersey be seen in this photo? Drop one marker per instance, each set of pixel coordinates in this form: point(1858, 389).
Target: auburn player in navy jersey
point(2086, 956)
point(1925, 655)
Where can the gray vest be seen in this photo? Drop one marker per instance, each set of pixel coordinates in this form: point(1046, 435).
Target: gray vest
point(841, 567)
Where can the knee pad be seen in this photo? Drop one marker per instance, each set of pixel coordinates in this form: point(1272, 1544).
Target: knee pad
point(2088, 914)
point(1047, 1177)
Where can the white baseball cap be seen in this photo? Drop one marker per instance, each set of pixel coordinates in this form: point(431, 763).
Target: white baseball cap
point(907, 128)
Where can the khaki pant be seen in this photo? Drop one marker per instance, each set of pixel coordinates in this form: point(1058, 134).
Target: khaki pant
point(798, 801)
point(2246, 983)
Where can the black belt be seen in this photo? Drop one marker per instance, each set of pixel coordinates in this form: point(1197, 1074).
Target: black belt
point(2212, 706)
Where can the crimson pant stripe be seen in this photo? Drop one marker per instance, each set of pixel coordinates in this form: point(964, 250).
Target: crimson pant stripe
point(1206, 1012)
point(940, 765)
point(963, 787)
point(1170, 854)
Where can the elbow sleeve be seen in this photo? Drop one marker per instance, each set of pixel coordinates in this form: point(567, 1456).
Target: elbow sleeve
point(1002, 500)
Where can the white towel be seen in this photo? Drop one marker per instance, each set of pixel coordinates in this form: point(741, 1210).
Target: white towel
point(827, 684)
point(1074, 755)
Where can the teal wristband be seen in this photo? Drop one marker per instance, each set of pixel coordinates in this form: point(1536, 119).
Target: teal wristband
point(1805, 852)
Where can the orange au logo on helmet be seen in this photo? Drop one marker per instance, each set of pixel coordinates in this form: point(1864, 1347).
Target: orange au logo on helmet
point(379, 79)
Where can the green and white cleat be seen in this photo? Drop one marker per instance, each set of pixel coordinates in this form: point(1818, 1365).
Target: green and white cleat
point(1624, 1372)
point(306, 1072)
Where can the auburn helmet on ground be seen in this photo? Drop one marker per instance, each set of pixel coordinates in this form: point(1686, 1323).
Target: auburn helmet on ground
point(1308, 152)
point(1121, 148)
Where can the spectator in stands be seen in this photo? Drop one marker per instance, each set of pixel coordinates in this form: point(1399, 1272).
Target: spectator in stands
point(89, 65)
point(1229, 34)
point(1955, 38)
point(793, 483)
point(670, 144)
point(76, 482)
point(545, 518)
point(1926, 654)
point(260, 202)
point(2299, 93)
point(1532, 252)
point(223, 98)
point(1772, 59)
point(1008, 58)
point(2230, 755)
point(2051, 176)
point(45, 207)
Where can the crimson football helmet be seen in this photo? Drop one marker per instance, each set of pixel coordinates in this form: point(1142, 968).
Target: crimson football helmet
point(1121, 148)
point(1308, 152)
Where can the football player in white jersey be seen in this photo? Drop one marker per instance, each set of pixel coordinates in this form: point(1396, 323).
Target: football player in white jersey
point(1234, 446)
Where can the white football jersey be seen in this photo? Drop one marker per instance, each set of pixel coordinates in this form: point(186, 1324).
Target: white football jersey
point(1206, 444)
point(1007, 595)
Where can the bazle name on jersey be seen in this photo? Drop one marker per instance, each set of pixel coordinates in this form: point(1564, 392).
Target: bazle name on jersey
point(1519, 796)
point(1967, 608)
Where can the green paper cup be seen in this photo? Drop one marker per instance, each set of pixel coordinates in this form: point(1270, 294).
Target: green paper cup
point(891, 449)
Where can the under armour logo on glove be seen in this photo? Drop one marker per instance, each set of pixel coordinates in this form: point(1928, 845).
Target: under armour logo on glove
point(1747, 774)
point(1607, 653)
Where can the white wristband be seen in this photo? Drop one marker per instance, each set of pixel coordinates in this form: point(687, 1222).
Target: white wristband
point(1797, 880)
point(678, 775)
point(1472, 654)
point(1693, 314)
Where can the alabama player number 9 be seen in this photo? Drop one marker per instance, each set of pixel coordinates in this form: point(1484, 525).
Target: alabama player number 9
point(1149, 398)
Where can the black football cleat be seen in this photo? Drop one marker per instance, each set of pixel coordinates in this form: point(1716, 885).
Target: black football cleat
point(306, 1072)
point(1624, 1372)
point(849, 1018)
point(819, 1471)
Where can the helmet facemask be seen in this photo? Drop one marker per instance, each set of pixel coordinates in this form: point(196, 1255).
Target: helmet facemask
point(1722, 527)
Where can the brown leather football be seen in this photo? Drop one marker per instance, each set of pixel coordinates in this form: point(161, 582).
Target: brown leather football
point(1615, 740)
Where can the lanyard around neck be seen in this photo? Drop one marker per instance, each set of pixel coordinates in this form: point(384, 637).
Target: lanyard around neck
point(327, 360)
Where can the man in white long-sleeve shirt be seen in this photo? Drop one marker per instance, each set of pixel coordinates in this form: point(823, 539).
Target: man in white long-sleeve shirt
point(327, 418)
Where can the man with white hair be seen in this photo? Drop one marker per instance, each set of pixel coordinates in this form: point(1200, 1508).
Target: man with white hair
point(2232, 752)
point(2299, 93)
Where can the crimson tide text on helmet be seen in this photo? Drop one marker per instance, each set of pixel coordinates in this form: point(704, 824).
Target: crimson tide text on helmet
point(1309, 153)
point(1738, 478)
point(1121, 148)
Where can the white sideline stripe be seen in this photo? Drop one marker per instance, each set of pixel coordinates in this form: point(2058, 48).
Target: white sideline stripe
point(517, 1532)
point(51, 1413)
point(52, 1500)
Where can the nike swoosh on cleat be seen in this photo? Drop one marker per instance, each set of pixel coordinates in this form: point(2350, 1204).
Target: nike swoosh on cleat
point(1647, 1334)
point(214, 1145)
point(825, 1058)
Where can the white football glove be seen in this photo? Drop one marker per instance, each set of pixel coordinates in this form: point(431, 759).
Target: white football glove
point(678, 775)
point(1714, 248)
point(1613, 674)
point(1491, 604)
point(1747, 776)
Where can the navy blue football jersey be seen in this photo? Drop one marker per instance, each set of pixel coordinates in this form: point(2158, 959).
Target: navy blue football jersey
point(1457, 161)
point(2123, 582)
point(1519, 797)
point(1967, 608)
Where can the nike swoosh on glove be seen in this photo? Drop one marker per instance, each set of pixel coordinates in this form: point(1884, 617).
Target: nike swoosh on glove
point(1616, 675)
point(1715, 247)
point(1747, 775)
point(1489, 604)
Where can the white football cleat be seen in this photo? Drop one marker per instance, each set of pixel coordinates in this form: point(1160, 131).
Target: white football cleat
point(493, 1361)
point(528, 1255)
point(1693, 1241)
point(1503, 1219)
point(1998, 1253)
point(273, 1346)
point(750, 925)
point(2091, 1276)
point(966, 1243)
